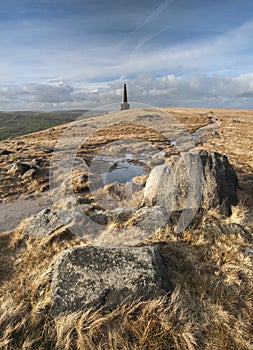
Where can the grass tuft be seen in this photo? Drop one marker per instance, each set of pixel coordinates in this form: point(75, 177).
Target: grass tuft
point(210, 308)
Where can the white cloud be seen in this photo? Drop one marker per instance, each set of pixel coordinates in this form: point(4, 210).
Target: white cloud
point(228, 53)
point(197, 90)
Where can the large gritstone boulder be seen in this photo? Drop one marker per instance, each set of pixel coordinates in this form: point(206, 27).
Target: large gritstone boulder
point(106, 276)
point(193, 180)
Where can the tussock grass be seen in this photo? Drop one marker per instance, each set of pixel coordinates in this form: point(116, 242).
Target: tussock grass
point(210, 308)
point(239, 214)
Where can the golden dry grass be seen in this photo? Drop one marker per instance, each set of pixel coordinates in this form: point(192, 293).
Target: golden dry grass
point(211, 306)
point(233, 139)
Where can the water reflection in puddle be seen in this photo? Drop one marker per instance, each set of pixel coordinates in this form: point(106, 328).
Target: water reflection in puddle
point(115, 165)
point(123, 171)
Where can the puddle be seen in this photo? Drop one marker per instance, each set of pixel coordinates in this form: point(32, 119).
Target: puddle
point(124, 171)
point(119, 169)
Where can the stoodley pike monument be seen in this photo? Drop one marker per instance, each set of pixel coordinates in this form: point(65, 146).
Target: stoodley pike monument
point(124, 103)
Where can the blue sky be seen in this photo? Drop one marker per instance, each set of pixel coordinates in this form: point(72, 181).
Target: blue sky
point(62, 54)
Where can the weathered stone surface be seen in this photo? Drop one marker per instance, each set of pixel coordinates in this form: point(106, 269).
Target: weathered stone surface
point(203, 180)
point(47, 221)
point(147, 218)
point(83, 200)
point(158, 158)
point(29, 174)
point(100, 217)
point(106, 276)
point(120, 215)
point(150, 219)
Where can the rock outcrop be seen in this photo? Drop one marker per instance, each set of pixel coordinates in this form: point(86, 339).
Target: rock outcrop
point(107, 276)
point(193, 180)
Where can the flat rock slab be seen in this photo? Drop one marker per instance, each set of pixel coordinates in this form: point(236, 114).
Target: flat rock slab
point(48, 221)
point(107, 276)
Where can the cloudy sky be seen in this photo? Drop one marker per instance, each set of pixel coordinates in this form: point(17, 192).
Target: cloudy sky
point(66, 54)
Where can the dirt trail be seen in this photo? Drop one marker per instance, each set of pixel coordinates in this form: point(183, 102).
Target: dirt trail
point(201, 131)
point(11, 214)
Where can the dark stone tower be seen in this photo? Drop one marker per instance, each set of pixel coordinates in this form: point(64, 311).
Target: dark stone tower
point(124, 104)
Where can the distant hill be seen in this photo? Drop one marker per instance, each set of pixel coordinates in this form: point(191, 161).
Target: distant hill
point(14, 124)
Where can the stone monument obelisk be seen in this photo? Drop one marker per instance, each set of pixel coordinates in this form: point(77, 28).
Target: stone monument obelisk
point(124, 104)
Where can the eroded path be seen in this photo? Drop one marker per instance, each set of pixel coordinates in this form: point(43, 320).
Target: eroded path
point(11, 214)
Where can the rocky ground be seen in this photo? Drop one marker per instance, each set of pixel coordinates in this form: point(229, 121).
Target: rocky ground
point(25, 161)
point(69, 178)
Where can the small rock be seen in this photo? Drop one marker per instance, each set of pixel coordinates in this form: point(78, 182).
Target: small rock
point(47, 221)
point(18, 168)
point(248, 251)
point(120, 215)
point(38, 161)
point(100, 217)
point(45, 149)
point(29, 174)
point(83, 200)
point(5, 152)
point(107, 276)
point(151, 218)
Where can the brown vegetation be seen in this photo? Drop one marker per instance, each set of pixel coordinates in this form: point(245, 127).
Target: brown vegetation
point(211, 306)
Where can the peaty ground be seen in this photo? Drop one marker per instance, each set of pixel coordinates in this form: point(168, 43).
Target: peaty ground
point(211, 306)
point(87, 137)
